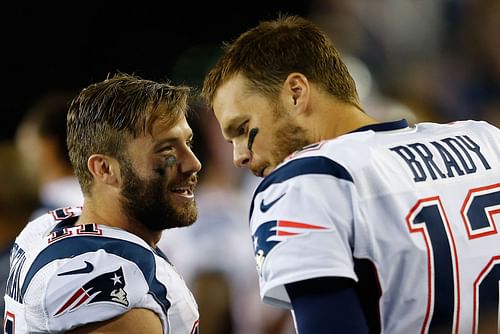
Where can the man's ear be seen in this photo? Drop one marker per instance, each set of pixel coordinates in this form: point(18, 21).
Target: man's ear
point(297, 91)
point(105, 169)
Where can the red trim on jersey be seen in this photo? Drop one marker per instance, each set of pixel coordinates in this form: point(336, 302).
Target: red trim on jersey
point(9, 316)
point(287, 223)
point(290, 224)
point(95, 230)
point(196, 324)
point(68, 212)
point(478, 281)
point(468, 200)
point(78, 294)
point(53, 236)
point(430, 299)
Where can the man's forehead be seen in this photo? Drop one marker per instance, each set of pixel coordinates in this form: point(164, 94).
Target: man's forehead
point(162, 134)
point(229, 106)
point(170, 128)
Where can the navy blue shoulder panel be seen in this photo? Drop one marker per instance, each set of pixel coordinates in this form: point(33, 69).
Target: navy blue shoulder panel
point(70, 247)
point(302, 166)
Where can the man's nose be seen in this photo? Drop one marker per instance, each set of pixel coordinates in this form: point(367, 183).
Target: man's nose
point(241, 155)
point(191, 163)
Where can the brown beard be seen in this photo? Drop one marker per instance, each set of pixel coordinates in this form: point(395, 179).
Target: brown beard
point(144, 201)
point(288, 137)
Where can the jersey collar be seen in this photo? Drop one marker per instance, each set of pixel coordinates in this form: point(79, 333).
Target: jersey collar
point(386, 126)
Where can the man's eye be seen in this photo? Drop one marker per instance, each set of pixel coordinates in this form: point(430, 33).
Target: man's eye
point(190, 143)
point(165, 149)
point(242, 129)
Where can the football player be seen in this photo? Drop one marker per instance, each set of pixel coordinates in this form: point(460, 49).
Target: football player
point(96, 268)
point(359, 226)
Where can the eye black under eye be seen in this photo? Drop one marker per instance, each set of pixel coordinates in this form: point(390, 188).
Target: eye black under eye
point(170, 161)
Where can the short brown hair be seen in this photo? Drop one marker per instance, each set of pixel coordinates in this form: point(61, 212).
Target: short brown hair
point(269, 52)
point(106, 115)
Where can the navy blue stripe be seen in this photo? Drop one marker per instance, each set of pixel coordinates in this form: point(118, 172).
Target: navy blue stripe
point(386, 126)
point(302, 166)
point(70, 247)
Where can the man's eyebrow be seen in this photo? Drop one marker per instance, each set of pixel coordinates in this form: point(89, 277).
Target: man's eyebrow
point(159, 142)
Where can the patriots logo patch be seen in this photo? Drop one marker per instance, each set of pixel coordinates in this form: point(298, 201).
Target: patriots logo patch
point(108, 287)
point(271, 233)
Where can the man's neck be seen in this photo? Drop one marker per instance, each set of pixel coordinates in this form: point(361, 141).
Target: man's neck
point(110, 213)
point(331, 119)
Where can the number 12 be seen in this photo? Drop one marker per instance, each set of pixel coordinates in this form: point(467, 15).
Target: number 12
point(429, 218)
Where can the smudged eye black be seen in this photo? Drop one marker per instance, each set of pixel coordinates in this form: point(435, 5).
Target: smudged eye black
point(170, 160)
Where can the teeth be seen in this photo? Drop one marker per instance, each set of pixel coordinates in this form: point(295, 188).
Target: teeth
point(184, 190)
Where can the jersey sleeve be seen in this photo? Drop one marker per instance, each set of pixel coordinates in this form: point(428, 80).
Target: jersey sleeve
point(90, 287)
point(302, 226)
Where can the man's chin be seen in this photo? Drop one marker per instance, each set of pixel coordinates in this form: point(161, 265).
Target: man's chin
point(185, 218)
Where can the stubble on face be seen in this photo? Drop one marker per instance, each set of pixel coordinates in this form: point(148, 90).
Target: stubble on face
point(146, 202)
point(288, 137)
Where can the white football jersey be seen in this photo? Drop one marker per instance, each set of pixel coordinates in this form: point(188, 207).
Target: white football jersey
point(410, 213)
point(63, 276)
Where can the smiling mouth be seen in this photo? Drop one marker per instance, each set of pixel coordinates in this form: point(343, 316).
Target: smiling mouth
point(186, 191)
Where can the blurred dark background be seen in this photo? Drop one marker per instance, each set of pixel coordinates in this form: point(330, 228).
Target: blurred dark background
point(423, 60)
point(48, 46)
point(436, 59)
